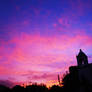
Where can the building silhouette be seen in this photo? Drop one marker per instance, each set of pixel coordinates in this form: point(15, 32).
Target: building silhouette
point(82, 58)
point(79, 78)
point(81, 75)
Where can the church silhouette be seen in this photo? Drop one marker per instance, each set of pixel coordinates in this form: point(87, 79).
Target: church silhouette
point(82, 58)
point(82, 73)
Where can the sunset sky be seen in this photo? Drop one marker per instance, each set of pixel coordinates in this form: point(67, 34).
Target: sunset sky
point(40, 39)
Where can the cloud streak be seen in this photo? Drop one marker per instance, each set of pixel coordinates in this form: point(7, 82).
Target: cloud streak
point(33, 52)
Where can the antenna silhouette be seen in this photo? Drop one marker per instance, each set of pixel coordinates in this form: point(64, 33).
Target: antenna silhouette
point(58, 79)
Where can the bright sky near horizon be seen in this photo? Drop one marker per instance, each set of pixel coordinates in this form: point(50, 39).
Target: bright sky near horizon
point(40, 39)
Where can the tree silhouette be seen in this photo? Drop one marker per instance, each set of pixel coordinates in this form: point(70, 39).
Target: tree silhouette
point(36, 88)
point(18, 88)
point(4, 89)
point(56, 88)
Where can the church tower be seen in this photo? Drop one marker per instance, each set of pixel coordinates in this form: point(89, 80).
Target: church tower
point(82, 58)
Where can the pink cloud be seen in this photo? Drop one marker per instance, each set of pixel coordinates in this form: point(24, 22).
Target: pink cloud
point(80, 7)
point(47, 49)
point(60, 21)
point(17, 8)
point(35, 10)
point(55, 25)
point(26, 22)
point(64, 21)
point(34, 52)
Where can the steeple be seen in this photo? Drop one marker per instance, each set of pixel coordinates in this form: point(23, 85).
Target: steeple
point(82, 58)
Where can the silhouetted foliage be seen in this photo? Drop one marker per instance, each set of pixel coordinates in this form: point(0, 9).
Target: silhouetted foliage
point(4, 89)
point(56, 88)
point(36, 88)
point(30, 88)
point(18, 88)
